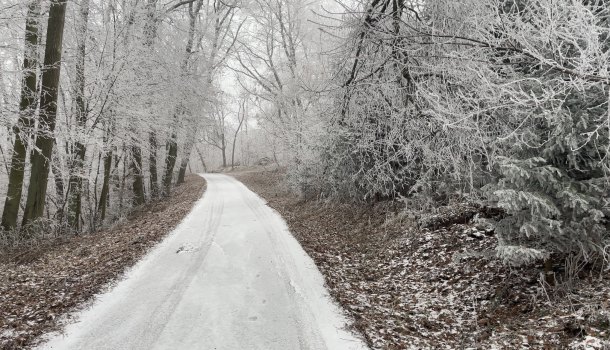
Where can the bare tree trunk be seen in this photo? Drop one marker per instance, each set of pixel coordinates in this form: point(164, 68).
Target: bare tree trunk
point(152, 164)
point(105, 186)
point(138, 179)
point(25, 122)
point(41, 155)
point(116, 177)
point(205, 168)
point(106, 181)
point(224, 150)
point(183, 164)
point(123, 179)
point(182, 172)
point(59, 186)
point(75, 186)
point(233, 152)
point(188, 149)
point(170, 162)
point(92, 204)
point(242, 111)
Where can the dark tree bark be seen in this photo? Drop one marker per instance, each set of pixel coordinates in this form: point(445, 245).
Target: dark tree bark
point(105, 194)
point(205, 167)
point(186, 154)
point(41, 155)
point(170, 161)
point(59, 185)
point(121, 184)
point(138, 179)
point(223, 149)
point(182, 172)
point(25, 122)
point(188, 149)
point(152, 164)
point(242, 112)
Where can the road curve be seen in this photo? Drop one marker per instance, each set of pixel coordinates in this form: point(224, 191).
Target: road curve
point(230, 277)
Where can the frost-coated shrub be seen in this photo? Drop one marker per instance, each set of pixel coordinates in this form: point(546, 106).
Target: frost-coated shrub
point(403, 119)
point(553, 171)
point(555, 185)
point(511, 94)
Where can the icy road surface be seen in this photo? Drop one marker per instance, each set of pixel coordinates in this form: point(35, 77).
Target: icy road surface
point(230, 276)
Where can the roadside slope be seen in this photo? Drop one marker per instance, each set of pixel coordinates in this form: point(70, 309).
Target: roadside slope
point(41, 284)
point(436, 285)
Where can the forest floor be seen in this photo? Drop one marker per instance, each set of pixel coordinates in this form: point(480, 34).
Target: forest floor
point(432, 282)
point(43, 283)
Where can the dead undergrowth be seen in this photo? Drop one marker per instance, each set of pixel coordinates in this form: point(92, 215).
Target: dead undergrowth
point(432, 283)
point(40, 284)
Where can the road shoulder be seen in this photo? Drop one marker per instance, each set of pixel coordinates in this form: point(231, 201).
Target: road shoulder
point(41, 288)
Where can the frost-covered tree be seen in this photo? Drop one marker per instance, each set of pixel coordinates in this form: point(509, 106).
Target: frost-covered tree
point(135, 75)
point(280, 62)
point(407, 110)
point(41, 155)
point(553, 174)
point(440, 98)
point(23, 126)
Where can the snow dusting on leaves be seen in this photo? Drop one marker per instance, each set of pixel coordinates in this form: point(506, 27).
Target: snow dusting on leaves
point(435, 282)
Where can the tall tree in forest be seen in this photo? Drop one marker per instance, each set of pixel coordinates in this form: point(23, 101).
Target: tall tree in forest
point(25, 122)
point(150, 34)
point(139, 197)
point(275, 65)
point(75, 185)
point(123, 20)
point(41, 154)
point(241, 118)
point(172, 144)
point(223, 40)
point(216, 132)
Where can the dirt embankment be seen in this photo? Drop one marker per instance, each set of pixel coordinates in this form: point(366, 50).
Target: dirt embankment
point(40, 284)
point(409, 287)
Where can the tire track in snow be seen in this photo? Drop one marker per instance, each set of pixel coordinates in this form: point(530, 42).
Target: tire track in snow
point(229, 277)
point(161, 315)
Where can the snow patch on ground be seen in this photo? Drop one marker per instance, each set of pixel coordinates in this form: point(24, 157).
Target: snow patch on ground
point(188, 248)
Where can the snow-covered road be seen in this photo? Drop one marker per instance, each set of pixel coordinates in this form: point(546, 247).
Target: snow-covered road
point(230, 276)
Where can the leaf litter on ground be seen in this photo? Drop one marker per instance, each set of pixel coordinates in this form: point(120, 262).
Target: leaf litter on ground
point(432, 282)
point(59, 277)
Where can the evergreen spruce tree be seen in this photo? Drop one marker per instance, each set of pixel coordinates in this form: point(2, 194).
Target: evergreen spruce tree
point(553, 175)
point(553, 183)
